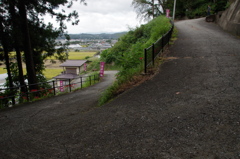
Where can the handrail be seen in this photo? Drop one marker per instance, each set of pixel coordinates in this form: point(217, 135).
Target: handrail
point(156, 48)
point(14, 95)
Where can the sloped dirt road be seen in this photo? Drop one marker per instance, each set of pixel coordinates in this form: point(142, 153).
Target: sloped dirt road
point(190, 109)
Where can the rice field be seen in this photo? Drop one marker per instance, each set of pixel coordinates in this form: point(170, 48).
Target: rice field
point(2, 70)
point(53, 70)
point(49, 73)
point(78, 55)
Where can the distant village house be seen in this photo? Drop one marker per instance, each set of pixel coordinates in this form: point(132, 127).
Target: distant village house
point(71, 70)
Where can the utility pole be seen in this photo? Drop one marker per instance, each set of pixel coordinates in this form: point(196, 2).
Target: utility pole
point(174, 9)
point(153, 8)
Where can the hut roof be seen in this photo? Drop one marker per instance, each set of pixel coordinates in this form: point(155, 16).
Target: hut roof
point(73, 63)
point(66, 76)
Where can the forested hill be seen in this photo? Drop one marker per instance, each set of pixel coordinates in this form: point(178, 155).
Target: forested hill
point(96, 36)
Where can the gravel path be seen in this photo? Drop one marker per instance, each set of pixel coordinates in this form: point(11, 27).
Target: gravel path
point(190, 109)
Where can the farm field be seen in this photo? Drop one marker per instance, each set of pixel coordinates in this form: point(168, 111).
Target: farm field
point(78, 55)
point(53, 69)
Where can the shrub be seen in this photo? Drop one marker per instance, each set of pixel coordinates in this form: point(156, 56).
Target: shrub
point(128, 52)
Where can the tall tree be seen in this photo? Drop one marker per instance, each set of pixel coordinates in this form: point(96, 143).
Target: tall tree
point(196, 8)
point(4, 39)
point(146, 9)
point(32, 79)
point(33, 36)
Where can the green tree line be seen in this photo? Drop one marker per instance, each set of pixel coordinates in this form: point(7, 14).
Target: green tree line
point(197, 8)
point(146, 9)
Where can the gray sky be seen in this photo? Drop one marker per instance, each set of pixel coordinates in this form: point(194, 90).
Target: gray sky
point(103, 16)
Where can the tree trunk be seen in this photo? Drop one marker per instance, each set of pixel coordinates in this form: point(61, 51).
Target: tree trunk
point(20, 69)
point(16, 38)
point(4, 40)
point(153, 8)
point(32, 79)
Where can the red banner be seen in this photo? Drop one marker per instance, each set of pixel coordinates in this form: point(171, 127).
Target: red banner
point(102, 69)
point(61, 86)
point(168, 13)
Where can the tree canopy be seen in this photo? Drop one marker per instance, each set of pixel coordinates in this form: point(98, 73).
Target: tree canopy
point(197, 8)
point(146, 9)
point(23, 30)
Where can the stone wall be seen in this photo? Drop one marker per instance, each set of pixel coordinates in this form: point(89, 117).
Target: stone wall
point(229, 20)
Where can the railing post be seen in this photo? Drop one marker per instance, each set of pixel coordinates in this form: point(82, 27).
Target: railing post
point(27, 93)
point(13, 97)
point(69, 85)
point(54, 91)
point(162, 43)
point(145, 60)
point(153, 56)
point(81, 82)
point(169, 37)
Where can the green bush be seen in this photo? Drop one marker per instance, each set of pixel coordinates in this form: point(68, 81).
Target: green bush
point(128, 52)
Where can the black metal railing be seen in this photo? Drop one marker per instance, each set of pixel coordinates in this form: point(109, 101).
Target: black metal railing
point(156, 48)
point(22, 94)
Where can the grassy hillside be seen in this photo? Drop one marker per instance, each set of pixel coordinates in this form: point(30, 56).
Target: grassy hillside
point(128, 52)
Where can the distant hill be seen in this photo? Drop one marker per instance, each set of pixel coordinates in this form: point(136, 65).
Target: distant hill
point(96, 36)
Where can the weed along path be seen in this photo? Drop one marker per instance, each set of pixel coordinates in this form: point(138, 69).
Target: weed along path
point(190, 109)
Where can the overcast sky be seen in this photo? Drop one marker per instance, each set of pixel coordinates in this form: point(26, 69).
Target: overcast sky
point(103, 16)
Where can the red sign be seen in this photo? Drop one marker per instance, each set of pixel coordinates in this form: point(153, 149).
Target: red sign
point(168, 13)
point(101, 69)
point(61, 86)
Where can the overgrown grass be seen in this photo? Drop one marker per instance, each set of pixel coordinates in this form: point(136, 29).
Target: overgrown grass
point(90, 80)
point(118, 86)
point(174, 36)
point(128, 54)
point(94, 64)
point(112, 67)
